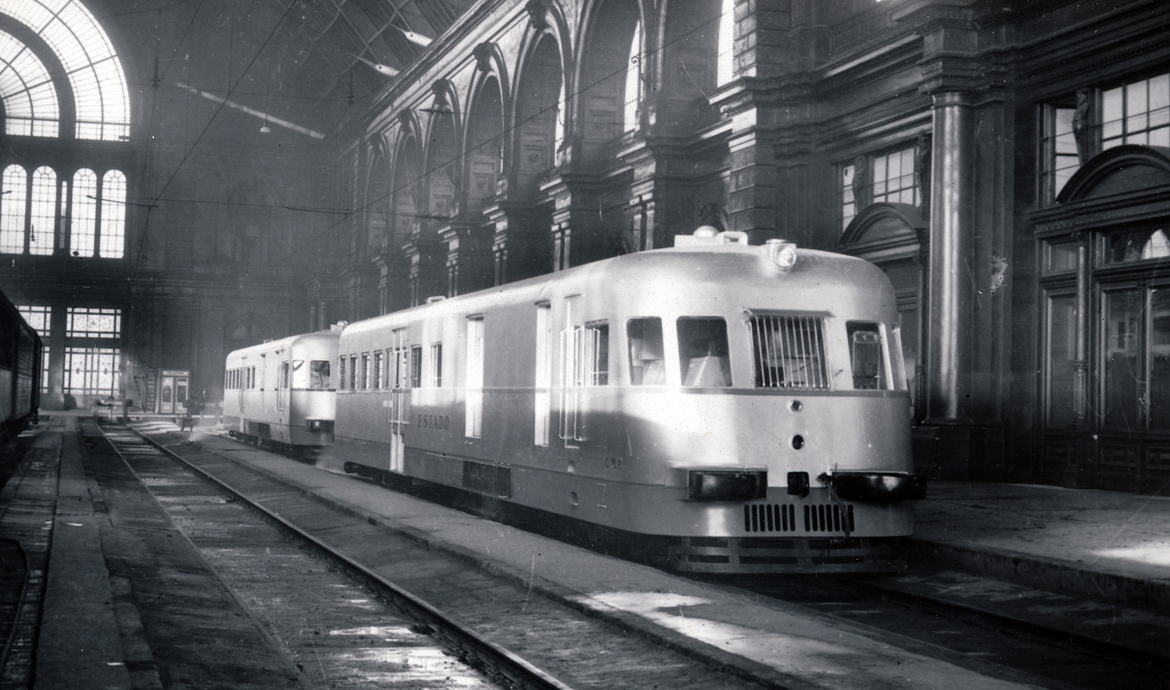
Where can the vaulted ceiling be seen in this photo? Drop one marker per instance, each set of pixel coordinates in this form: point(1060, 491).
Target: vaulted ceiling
point(304, 61)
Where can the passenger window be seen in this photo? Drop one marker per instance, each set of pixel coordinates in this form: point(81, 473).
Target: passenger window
point(703, 352)
point(416, 366)
point(647, 367)
point(376, 372)
point(866, 357)
point(436, 365)
point(364, 375)
point(352, 385)
point(284, 374)
point(597, 344)
point(341, 372)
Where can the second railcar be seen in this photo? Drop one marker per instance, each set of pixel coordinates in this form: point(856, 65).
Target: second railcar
point(21, 352)
point(282, 392)
point(744, 405)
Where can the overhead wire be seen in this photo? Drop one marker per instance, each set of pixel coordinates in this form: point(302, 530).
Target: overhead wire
point(151, 139)
point(206, 127)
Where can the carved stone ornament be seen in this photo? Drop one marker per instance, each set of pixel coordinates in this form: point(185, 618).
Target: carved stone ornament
point(1083, 125)
point(441, 88)
point(404, 117)
point(861, 185)
point(922, 169)
point(536, 10)
point(483, 56)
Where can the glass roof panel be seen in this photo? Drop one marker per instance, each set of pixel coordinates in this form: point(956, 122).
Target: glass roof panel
point(95, 74)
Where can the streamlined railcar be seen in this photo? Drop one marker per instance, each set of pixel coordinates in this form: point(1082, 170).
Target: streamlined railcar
point(282, 392)
point(742, 407)
point(21, 352)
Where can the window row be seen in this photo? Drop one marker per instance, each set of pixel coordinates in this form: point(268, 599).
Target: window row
point(400, 367)
point(294, 375)
point(31, 204)
point(240, 378)
point(787, 352)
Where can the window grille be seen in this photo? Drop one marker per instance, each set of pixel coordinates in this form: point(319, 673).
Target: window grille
point(91, 370)
point(84, 322)
point(789, 352)
point(1137, 113)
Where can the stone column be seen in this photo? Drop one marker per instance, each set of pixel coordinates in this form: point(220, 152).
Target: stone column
point(1081, 354)
point(951, 259)
point(752, 192)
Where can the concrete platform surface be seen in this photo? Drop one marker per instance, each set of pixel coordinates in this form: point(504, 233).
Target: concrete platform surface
point(1100, 543)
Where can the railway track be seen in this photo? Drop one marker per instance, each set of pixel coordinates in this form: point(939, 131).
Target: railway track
point(502, 633)
point(899, 610)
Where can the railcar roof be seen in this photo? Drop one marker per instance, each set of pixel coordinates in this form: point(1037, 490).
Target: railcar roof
point(288, 341)
point(689, 269)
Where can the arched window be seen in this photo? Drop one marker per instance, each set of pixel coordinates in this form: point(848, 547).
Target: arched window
point(43, 213)
point(113, 235)
point(95, 74)
point(84, 219)
point(633, 80)
point(725, 62)
point(30, 100)
point(12, 209)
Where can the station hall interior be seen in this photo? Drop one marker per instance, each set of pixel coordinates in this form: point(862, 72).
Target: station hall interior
point(183, 178)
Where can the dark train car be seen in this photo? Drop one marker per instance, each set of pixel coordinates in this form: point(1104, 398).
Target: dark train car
point(21, 351)
point(745, 406)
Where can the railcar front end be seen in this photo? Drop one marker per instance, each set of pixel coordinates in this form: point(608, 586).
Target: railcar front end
point(281, 392)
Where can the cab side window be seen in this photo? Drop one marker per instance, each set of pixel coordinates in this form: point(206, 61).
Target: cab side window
point(866, 356)
point(703, 357)
point(647, 364)
point(319, 374)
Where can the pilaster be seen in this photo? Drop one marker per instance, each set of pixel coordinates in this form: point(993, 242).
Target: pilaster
point(578, 236)
point(520, 241)
point(469, 257)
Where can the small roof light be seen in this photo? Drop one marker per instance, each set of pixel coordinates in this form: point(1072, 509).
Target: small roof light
point(783, 253)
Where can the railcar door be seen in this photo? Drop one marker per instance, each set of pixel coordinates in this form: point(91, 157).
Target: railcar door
point(398, 411)
point(283, 388)
point(584, 363)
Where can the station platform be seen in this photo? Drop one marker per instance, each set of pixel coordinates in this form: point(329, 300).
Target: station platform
point(1112, 546)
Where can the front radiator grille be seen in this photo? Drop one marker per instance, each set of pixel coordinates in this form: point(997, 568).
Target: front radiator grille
point(782, 517)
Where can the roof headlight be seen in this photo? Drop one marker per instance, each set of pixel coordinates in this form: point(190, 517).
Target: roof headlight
point(783, 254)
